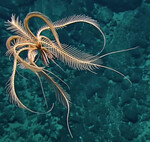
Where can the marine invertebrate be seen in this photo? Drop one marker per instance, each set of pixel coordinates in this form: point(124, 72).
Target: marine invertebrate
point(40, 45)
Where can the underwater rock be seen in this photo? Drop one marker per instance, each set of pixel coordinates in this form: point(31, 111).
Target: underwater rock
point(104, 14)
point(90, 137)
point(136, 75)
point(41, 119)
point(1, 131)
point(131, 112)
point(19, 116)
point(22, 132)
point(96, 87)
point(9, 117)
point(117, 138)
point(120, 6)
point(126, 97)
point(1, 106)
point(30, 139)
point(113, 76)
point(125, 85)
point(128, 132)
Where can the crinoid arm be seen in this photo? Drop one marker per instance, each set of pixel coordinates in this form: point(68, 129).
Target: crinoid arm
point(72, 56)
point(12, 93)
point(46, 20)
point(16, 26)
point(14, 43)
point(75, 19)
point(11, 41)
point(83, 61)
point(61, 95)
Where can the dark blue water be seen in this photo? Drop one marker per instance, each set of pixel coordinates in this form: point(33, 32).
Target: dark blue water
point(105, 107)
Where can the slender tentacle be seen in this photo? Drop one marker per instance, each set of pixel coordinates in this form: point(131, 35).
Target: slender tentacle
point(57, 77)
point(42, 89)
point(114, 52)
point(62, 96)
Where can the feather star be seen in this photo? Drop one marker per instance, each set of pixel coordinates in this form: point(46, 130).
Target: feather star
point(25, 41)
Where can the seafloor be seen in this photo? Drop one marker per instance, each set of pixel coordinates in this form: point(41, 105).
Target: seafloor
point(104, 106)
